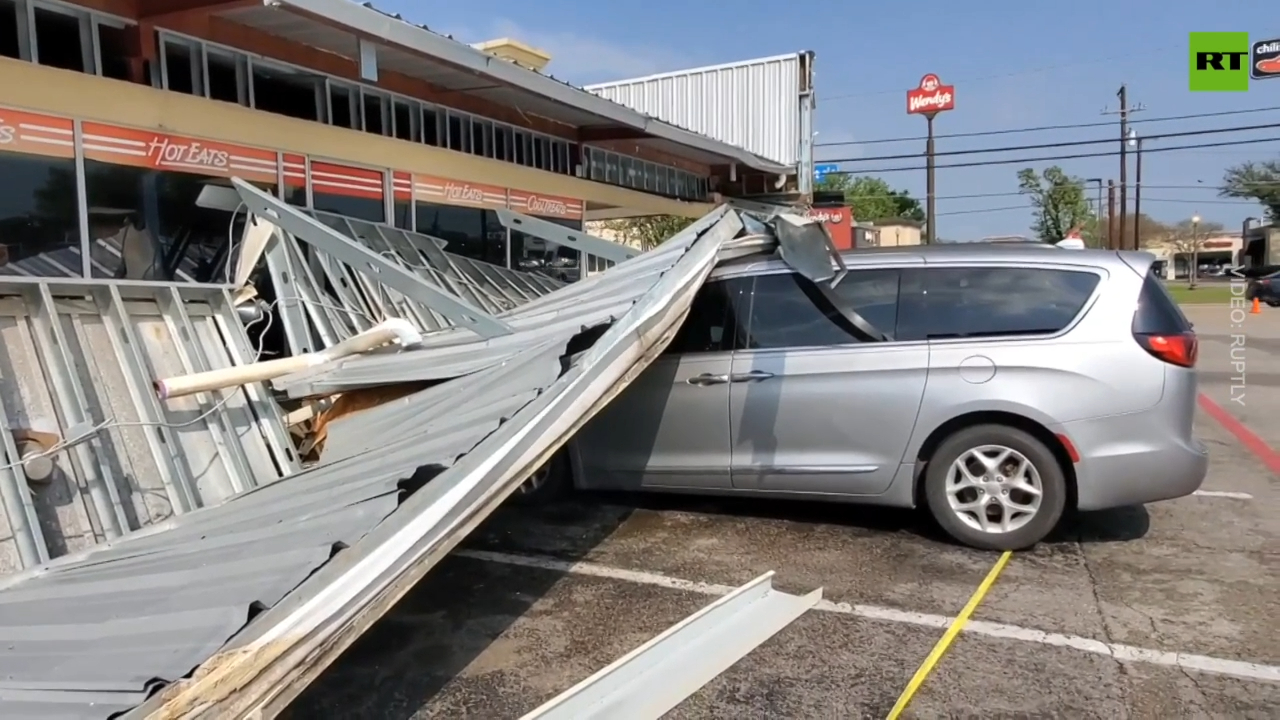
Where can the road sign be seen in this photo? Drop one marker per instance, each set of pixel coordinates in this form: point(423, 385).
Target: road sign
point(821, 171)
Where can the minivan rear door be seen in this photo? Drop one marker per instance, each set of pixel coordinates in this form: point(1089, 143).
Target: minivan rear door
point(817, 403)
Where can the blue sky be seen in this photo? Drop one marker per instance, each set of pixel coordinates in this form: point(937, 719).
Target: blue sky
point(1014, 65)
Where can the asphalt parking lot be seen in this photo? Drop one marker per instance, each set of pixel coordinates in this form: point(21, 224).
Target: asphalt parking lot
point(1166, 611)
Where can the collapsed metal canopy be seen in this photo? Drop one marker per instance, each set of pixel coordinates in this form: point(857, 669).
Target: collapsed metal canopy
point(258, 594)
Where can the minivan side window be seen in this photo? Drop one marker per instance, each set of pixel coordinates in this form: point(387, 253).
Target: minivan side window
point(710, 325)
point(788, 311)
point(992, 301)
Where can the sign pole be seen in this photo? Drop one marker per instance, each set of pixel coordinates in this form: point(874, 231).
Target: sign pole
point(931, 235)
point(928, 99)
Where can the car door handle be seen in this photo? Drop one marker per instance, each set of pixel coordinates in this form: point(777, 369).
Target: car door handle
point(708, 379)
point(752, 376)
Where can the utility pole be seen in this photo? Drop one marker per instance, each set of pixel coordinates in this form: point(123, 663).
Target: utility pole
point(1112, 242)
point(1123, 112)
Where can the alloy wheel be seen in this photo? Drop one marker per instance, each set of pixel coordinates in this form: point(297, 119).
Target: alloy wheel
point(994, 489)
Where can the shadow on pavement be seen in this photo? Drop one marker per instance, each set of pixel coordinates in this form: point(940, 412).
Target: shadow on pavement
point(456, 613)
point(464, 606)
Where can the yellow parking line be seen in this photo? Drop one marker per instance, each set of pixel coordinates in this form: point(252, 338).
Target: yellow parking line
point(948, 637)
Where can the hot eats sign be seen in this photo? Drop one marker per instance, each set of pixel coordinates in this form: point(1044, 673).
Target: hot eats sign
point(931, 97)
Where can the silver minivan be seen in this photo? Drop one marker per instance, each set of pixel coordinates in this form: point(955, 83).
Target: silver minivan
point(997, 385)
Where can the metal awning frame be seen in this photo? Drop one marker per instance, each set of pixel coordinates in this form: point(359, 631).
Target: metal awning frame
point(287, 646)
point(388, 273)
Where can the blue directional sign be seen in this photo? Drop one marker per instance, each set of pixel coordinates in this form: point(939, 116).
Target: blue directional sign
point(821, 171)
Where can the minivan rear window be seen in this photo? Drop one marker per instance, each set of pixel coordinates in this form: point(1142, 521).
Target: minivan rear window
point(1158, 313)
point(992, 302)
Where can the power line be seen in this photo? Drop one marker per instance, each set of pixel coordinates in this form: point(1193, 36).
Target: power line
point(1010, 208)
point(1146, 52)
point(1077, 156)
point(1015, 193)
point(1063, 144)
point(1046, 128)
point(986, 210)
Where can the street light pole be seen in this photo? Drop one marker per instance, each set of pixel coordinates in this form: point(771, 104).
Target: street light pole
point(1194, 270)
point(1097, 210)
point(1137, 189)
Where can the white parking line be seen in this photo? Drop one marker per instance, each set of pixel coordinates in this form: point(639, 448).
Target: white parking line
point(1223, 494)
point(1123, 653)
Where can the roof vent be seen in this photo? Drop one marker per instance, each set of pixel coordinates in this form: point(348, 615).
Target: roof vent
point(517, 52)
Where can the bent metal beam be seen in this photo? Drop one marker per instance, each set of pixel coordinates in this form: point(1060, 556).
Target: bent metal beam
point(388, 273)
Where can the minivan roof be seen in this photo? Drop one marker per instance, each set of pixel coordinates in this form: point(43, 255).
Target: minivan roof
point(955, 253)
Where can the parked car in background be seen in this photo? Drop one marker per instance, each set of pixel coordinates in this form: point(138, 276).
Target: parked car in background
point(1265, 289)
point(997, 385)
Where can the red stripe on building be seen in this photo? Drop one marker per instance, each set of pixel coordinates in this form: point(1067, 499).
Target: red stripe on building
point(161, 151)
point(36, 134)
point(337, 179)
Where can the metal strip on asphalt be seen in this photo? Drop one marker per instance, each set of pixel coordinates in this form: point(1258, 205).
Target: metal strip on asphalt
point(1001, 631)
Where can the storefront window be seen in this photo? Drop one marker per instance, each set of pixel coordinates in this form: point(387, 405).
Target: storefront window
point(363, 208)
point(403, 214)
point(153, 225)
point(39, 229)
point(532, 254)
point(295, 195)
point(470, 232)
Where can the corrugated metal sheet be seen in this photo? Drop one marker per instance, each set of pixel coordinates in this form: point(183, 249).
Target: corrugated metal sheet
point(76, 363)
point(764, 106)
point(93, 632)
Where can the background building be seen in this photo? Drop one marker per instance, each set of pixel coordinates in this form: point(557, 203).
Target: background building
point(117, 114)
point(764, 106)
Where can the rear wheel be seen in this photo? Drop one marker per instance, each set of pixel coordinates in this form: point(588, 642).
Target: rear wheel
point(547, 484)
point(995, 487)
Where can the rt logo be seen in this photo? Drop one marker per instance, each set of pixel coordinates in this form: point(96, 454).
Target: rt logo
point(1225, 61)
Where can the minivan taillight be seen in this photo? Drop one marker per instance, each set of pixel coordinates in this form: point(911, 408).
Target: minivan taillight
point(1179, 349)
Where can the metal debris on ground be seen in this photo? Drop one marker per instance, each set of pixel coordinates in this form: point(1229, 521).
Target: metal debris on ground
point(193, 530)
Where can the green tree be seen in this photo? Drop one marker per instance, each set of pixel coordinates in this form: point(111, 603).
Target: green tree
point(1151, 232)
point(1255, 181)
point(1060, 204)
point(647, 233)
point(872, 199)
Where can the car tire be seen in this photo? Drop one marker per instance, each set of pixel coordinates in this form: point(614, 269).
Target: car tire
point(961, 519)
point(547, 484)
point(1273, 303)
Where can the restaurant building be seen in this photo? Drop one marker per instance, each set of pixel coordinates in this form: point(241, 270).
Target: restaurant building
point(119, 115)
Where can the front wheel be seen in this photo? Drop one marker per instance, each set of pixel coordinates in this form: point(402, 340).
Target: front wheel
point(995, 487)
point(547, 484)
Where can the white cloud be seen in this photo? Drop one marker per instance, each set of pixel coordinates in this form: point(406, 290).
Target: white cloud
point(583, 59)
